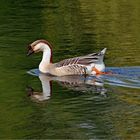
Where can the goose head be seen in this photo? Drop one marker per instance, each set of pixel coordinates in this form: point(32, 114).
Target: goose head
point(39, 46)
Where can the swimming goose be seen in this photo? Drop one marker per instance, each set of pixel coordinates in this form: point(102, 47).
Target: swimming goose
point(91, 64)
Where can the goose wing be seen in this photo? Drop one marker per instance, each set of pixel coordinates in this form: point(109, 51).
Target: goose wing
point(77, 65)
point(83, 60)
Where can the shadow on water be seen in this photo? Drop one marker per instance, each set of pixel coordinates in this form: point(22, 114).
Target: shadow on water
point(123, 76)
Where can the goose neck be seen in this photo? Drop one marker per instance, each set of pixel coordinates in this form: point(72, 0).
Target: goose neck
point(46, 60)
point(46, 57)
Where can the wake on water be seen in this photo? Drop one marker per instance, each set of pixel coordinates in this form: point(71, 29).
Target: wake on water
point(122, 76)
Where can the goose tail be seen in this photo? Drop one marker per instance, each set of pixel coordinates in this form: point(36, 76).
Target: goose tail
point(103, 51)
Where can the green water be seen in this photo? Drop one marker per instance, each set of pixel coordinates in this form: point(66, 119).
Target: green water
point(74, 28)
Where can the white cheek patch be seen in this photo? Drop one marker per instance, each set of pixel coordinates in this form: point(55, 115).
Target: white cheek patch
point(37, 51)
point(36, 48)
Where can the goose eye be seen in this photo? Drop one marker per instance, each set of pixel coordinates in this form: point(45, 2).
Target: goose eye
point(29, 47)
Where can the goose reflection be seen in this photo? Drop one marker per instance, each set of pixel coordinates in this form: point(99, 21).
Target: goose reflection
point(76, 83)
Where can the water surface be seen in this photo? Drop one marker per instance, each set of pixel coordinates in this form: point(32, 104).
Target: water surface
point(74, 28)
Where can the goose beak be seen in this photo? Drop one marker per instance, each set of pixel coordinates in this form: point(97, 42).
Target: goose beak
point(30, 51)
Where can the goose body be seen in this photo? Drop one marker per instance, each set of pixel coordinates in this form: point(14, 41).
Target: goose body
point(90, 64)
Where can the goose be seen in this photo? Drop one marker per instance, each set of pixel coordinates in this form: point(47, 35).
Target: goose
point(91, 64)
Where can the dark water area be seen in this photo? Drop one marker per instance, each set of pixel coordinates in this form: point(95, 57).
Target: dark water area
point(105, 107)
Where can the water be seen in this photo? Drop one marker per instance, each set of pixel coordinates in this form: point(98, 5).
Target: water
point(74, 28)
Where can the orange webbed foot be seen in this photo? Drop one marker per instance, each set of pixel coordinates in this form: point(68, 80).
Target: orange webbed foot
point(100, 72)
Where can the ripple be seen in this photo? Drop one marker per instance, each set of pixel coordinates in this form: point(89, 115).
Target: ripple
point(122, 76)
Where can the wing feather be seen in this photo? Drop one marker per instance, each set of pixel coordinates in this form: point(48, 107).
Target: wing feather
point(83, 60)
point(77, 65)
